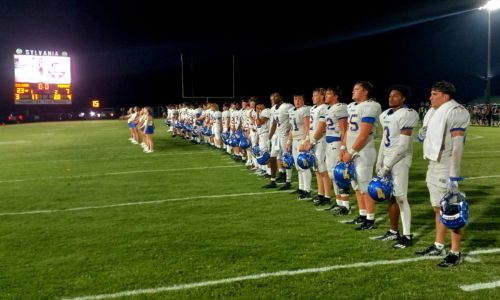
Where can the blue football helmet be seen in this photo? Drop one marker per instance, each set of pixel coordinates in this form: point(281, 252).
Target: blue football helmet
point(225, 137)
point(256, 150)
point(343, 173)
point(287, 161)
point(454, 212)
point(233, 141)
point(168, 123)
point(178, 125)
point(263, 158)
point(380, 189)
point(244, 143)
point(305, 160)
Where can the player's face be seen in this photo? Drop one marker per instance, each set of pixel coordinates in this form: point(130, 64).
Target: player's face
point(396, 99)
point(359, 93)
point(252, 104)
point(318, 98)
point(331, 97)
point(298, 101)
point(438, 98)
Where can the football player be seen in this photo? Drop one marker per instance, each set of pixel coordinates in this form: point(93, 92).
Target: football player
point(394, 159)
point(443, 134)
point(299, 121)
point(360, 147)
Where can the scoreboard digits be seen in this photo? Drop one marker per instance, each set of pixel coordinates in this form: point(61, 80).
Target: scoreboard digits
point(42, 93)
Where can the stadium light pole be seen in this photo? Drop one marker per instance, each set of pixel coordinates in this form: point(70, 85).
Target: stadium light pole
point(489, 6)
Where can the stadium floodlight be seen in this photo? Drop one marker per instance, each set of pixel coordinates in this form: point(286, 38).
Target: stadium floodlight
point(489, 6)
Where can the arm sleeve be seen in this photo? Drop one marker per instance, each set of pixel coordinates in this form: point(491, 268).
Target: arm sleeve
point(458, 120)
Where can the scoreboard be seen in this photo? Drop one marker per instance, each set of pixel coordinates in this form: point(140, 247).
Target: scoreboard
point(42, 77)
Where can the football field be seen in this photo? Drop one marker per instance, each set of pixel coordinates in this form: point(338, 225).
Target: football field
point(85, 214)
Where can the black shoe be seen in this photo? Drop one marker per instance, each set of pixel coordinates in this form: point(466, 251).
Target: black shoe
point(367, 225)
point(287, 186)
point(297, 191)
point(322, 201)
point(270, 185)
point(389, 236)
point(281, 178)
point(432, 251)
point(404, 241)
point(305, 196)
point(451, 260)
point(342, 211)
point(333, 207)
point(358, 220)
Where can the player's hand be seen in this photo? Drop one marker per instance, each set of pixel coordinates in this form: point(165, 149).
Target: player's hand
point(383, 172)
point(453, 184)
point(347, 157)
point(422, 132)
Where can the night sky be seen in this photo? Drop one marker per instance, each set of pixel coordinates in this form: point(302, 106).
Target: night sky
point(129, 53)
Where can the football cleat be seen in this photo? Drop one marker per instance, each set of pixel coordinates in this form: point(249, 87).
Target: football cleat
point(358, 220)
point(451, 260)
point(270, 185)
point(389, 236)
point(342, 211)
point(367, 225)
point(286, 186)
point(404, 241)
point(432, 251)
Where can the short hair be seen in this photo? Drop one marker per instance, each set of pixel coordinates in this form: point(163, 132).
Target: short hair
point(303, 96)
point(320, 90)
point(444, 87)
point(403, 89)
point(368, 86)
point(336, 89)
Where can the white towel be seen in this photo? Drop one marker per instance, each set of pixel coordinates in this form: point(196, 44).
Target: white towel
point(435, 122)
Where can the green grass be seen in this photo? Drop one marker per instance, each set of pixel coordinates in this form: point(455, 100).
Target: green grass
point(58, 166)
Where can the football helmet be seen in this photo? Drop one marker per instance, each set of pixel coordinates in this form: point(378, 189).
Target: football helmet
point(199, 122)
point(287, 161)
point(380, 189)
point(305, 160)
point(256, 150)
point(244, 143)
point(263, 158)
point(343, 173)
point(454, 212)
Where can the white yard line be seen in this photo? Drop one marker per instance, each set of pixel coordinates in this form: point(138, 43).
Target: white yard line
point(268, 275)
point(482, 177)
point(480, 286)
point(116, 173)
point(49, 211)
point(119, 157)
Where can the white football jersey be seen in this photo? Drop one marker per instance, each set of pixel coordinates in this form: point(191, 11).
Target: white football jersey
point(366, 111)
point(266, 127)
point(225, 117)
point(392, 124)
point(316, 112)
point(457, 119)
point(333, 114)
point(281, 117)
point(296, 116)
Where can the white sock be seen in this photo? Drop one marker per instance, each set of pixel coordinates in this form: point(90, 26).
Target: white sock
point(405, 210)
point(346, 204)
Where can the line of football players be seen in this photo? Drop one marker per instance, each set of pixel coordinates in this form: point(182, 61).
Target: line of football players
point(334, 140)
